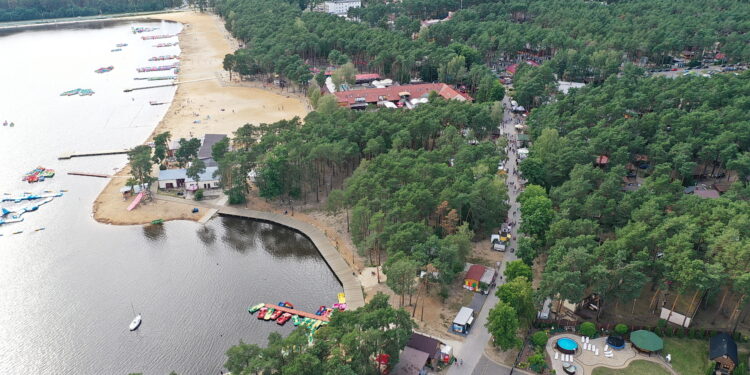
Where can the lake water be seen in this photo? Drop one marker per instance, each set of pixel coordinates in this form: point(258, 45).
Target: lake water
point(66, 291)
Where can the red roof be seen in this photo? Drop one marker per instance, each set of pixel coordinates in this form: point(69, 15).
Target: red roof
point(392, 93)
point(512, 69)
point(720, 56)
point(367, 76)
point(602, 159)
point(475, 272)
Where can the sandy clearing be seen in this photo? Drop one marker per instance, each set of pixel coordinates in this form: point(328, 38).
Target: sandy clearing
point(220, 106)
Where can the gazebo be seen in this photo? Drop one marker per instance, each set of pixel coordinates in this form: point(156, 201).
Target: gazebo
point(646, 341)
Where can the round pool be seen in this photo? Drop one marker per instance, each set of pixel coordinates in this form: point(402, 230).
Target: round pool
point(566, 345)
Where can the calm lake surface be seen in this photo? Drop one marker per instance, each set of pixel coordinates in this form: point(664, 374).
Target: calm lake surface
point(66, 291)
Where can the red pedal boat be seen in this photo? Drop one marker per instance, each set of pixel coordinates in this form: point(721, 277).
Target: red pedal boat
point(262, 312)
point(283, 319)
point(276, 314)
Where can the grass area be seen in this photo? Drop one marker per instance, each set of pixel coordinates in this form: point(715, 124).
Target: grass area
point(689, 356)
point(635, 368)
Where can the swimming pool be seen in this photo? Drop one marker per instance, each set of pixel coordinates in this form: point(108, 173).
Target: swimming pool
point(566, 345)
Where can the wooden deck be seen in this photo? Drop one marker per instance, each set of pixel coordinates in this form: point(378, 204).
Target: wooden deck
point(348, 279)
point(302, 314)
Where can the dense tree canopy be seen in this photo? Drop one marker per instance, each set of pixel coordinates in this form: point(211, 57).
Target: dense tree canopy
point(671, 133)
point(593, 49)
point(414, 181)
point(348, 345)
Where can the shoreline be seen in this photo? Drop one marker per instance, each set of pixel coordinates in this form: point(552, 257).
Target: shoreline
point(219, 106)
point(74, 20)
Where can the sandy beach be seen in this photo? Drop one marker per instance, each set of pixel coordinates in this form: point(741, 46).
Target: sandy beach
point(221, 107)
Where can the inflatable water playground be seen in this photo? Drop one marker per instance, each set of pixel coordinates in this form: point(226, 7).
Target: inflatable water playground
point(105, 69)
point(138, 30)
point(8, 216)
point(38, 174)
point(162, 58)
point(158, 68)
point(152, 37)
point(81, 92)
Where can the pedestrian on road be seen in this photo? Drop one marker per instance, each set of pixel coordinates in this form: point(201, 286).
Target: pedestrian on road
point(462, 362)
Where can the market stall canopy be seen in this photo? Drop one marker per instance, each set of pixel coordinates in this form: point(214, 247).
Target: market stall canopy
point(647, 340)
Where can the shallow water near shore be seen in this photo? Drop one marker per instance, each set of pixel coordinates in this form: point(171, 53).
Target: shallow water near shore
point(66, 291)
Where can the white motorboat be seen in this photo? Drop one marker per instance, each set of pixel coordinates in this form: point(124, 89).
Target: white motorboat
point(135, 323)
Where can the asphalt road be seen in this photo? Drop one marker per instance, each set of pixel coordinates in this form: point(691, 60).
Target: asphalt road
point(472, 349)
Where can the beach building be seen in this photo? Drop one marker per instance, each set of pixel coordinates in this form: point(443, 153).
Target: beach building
point(207, 144)
point(340, 7)
point(473, 277)
point(723, 350)
point(178, 179)
point(463, 321)
point(400, 96)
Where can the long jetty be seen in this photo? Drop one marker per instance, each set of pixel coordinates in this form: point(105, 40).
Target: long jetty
point(303, 314)
point(97, 153)
point(88, 174)
point(352, 287)
point(168, 84)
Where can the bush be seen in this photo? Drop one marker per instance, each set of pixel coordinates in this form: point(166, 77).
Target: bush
point(679, 332)
point(737, 337)
point(621, 329)
point(662, 323)
point(741, 369)
point(162, 167)
point(444, 292)
point(537, 362)
point(540, 339)
point(198, 194)
point(659, 331)
point(588, 329)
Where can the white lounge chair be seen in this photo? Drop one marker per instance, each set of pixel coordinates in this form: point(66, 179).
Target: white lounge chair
point(556, 355)
point(597, 352)
point(606, 348)
point(609, 355)
point(583, 339)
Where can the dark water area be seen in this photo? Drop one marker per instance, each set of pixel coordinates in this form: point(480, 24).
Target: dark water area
point(66, 291)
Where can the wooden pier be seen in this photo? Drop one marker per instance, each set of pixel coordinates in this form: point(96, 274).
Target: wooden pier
point(302, 314)
point(98, 153)
point(88, 174)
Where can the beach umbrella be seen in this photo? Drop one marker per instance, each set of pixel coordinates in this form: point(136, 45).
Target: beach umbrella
point(647, 341)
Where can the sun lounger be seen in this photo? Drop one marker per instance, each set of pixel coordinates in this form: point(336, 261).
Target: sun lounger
point(597, 352)
point(610, 355)
point(556, 355)
point(583, 339)
point(606, 348)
